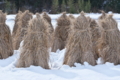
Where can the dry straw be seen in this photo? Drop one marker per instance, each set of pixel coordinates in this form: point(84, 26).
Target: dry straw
point(102, 16)
point(110, 42)
point(71, 17)
point(48, 19)
point(79, 47)
point(61, 32)
point(17, 18)
point(22, 29)
point(35, 47)
point(96, 35)
point(50, 28)
point(6, 48)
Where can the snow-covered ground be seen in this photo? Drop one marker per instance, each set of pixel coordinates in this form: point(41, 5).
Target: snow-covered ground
point(58, 71)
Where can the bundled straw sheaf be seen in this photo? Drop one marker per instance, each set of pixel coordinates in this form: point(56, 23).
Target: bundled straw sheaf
point(103, 16)
point(22, 29)
point(17, 18)
point(96, 35)
point(35, 47)
point(61, 32)
point(50, 28)
point(6, 48)
point(48, 19)
point(110, 42)
point(79, 47)
point(71, 17)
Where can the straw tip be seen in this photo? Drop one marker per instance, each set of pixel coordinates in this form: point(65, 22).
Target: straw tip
point(82, 13)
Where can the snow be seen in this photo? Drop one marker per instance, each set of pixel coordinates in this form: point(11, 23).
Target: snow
point(106, 71)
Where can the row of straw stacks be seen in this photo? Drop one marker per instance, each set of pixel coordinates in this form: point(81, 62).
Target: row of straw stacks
point(90, 39)
point(85, 39)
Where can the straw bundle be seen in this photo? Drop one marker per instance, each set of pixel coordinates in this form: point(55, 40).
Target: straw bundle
point(35, 47)
point(17, 18)
point(22, 29)
point(51, 30)
point(102, 16)
point(96, 35)
point(6, 48)
point(79, 47)
point(110, 46)
point(48, 19)
point(71, 17)
point(61, 32)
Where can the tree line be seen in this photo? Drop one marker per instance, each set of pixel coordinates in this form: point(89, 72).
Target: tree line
point(57, 6)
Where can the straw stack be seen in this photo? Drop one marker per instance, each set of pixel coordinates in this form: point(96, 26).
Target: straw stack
point(35, 47)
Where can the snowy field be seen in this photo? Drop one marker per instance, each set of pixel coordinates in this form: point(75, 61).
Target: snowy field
point(107, 71)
